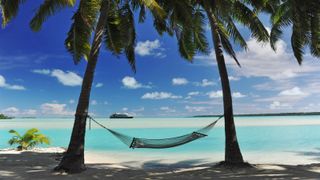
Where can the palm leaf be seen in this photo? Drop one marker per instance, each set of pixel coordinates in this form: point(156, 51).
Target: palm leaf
point(48, 8)
point(84, 20)
point(248, 18)
point(9, 10)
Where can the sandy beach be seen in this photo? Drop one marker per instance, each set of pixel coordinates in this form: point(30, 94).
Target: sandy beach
point(38, 164)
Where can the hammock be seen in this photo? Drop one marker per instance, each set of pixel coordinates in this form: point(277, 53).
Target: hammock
point(133, 142)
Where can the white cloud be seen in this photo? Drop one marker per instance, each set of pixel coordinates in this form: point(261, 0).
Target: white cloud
point(71, 101)
point(233, 78)
point(55, 109)
point(218, 94)
point(160, 95)
point(205, 83)
point(98, 85)
point(150, 48)
point(125, 109)
point(132, 83)
point(262, 61)
point(215, 94)
point(296, 91)
point(42, 71)
point(194, 93)
point(167, 109)
point(13, 111)
point(238, 95)
point(190, 94)
point(67, 78)
point(179, 81)
point(4, 84)
point(94, 102)
point(279, 105)
point(196, 108)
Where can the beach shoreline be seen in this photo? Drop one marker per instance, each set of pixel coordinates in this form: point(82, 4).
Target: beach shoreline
point(38, 164)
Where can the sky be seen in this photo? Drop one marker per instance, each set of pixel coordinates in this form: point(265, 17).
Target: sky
point(38, 76)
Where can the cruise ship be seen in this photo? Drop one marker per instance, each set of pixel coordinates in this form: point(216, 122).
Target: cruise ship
point(120, 116)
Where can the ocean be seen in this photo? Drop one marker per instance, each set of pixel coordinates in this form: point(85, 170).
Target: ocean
point(258, 135)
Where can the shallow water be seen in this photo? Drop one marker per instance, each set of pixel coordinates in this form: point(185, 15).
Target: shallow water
point(256, 134)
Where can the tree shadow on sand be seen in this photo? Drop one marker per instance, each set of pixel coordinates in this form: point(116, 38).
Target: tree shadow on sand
point(31, 165)
point(314, 154)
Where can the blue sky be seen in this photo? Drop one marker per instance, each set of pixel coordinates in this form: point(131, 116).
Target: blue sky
point(39, 78)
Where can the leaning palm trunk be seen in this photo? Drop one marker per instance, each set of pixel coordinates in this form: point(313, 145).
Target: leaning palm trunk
point(73, 160)
point(232, 151)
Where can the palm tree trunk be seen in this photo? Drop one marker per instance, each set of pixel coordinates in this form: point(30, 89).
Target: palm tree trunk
point(232, 150)
point(73, 160)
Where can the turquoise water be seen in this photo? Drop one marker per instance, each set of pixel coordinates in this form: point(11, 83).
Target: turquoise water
point(289, 133)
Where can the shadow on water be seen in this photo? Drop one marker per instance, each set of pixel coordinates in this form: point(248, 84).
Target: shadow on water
point(31, 165)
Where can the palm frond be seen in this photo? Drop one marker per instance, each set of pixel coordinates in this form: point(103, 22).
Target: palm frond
point(9, 10)
point(235, 33)
point(227, 46)
point(199, 32)
point(248, 18)
point(78, 39)
point(315, 30)
point(48, 8)
point(128, 33)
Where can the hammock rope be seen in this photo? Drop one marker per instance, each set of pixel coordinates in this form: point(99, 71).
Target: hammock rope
point(134, 142)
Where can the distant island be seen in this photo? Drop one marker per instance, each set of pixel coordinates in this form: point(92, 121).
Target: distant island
point(267, 114)
point(2, 116)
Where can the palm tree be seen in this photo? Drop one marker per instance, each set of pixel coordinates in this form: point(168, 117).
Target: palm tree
point(28, 140)
point(187, 19)
point(304, 19)
point(222, 16)
point(108, 21)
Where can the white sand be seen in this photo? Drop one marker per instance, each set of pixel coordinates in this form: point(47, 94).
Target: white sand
point(38, 164)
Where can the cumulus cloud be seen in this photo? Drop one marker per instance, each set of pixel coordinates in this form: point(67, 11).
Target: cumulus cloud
point(179, 81)
point(196, 108)
point(219, 94)
point(98, 85)
point(194, 93)
point(167, 109)
point(160, 95)
point(42, 71)
point(67, 78)
point(150, 48)
point(238, 95)
point(204, 83)
point(132, 83)
point(296, 91)
point(279, 105)
point(262, 61)
point(55, 109)
point(215, 94)
point(233, 78)
point(14, 111)
point(4, 84)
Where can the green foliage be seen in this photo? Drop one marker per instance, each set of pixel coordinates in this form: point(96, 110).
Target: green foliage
point(9, 9)
point(48, 8)
point(303, 17)
point(30, 139)
point(2, 116)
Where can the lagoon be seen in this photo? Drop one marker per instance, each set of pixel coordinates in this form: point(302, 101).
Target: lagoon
point(295, 139)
